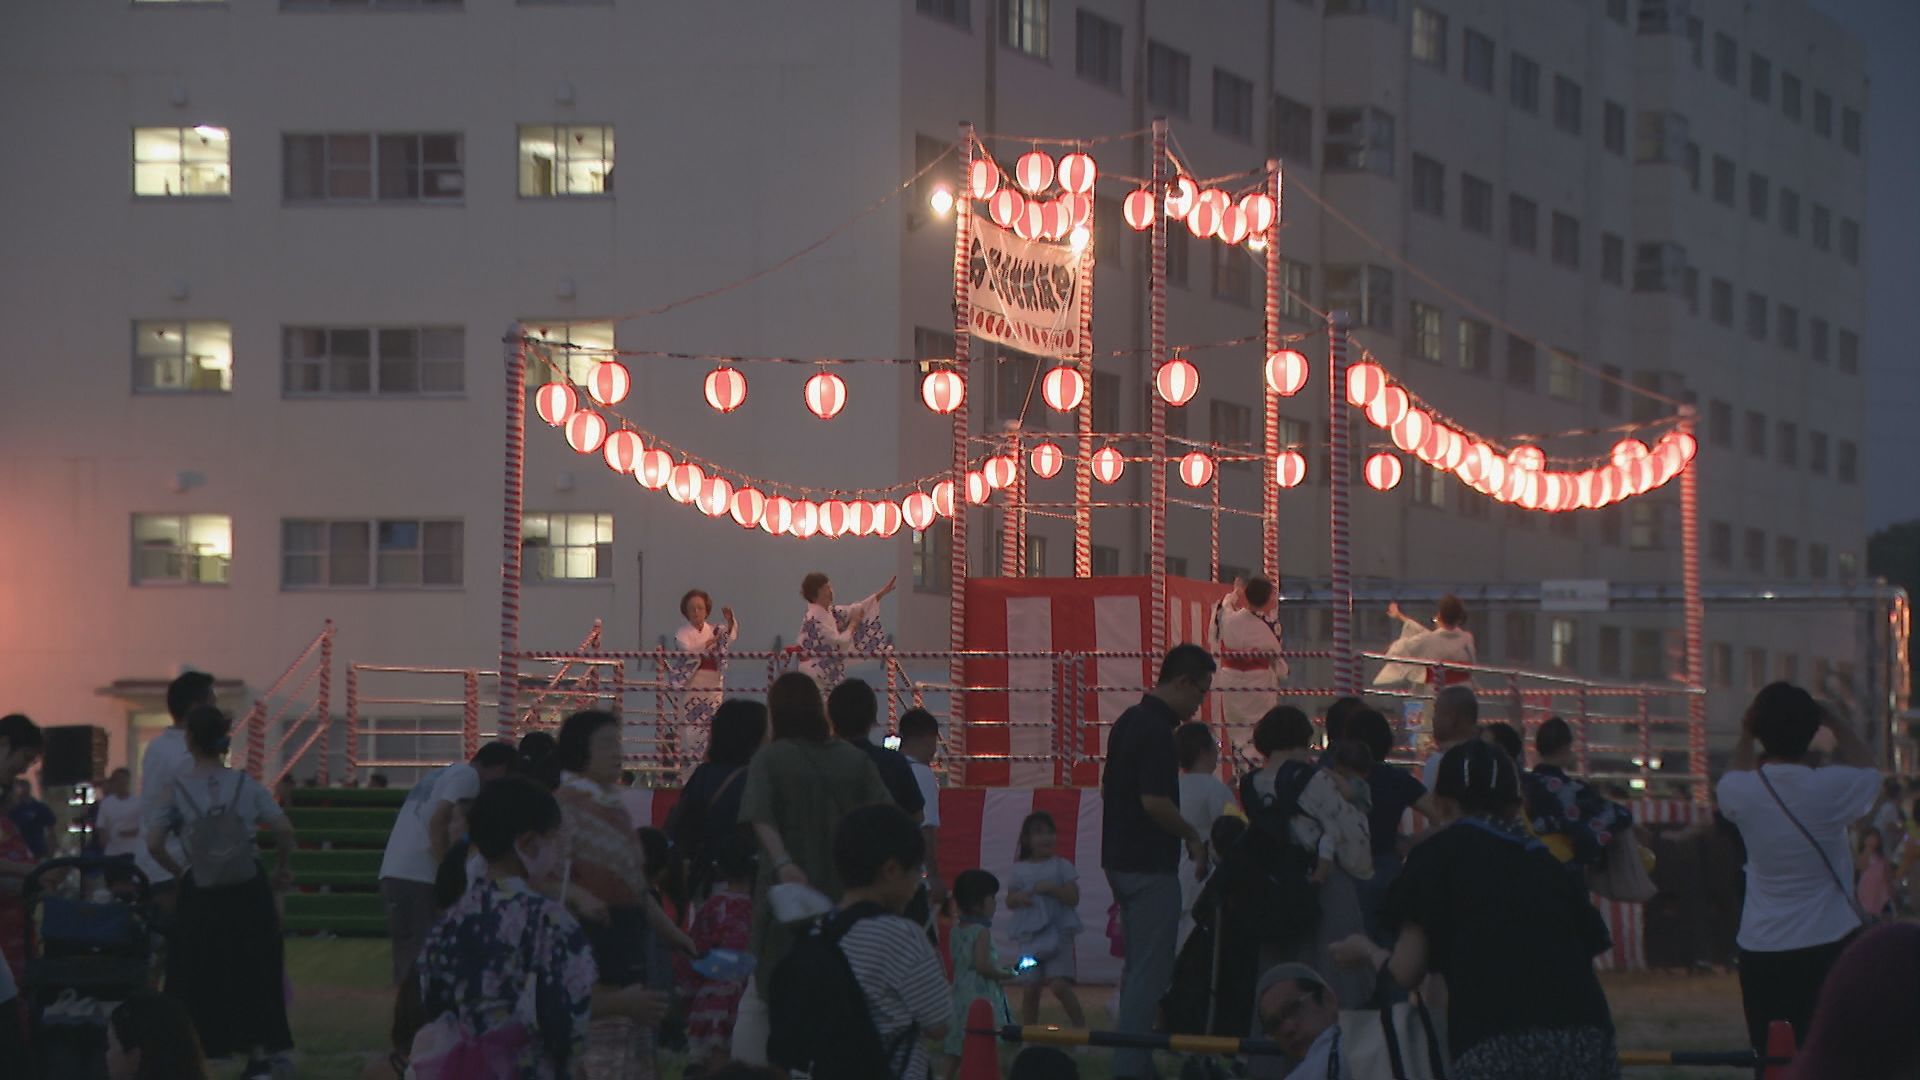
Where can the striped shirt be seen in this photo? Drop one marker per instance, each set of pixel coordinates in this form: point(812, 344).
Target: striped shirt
point(903, 980)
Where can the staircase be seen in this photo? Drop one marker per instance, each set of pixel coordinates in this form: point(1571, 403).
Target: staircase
point(340, 836)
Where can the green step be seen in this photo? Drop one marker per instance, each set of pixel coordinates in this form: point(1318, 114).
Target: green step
point(391, 798)
point(349, 869)
point(311, 818)
point(341, 926)
point(338, 838)
point(336, 906)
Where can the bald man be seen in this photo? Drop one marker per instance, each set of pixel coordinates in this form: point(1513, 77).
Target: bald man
point(1301, 1012)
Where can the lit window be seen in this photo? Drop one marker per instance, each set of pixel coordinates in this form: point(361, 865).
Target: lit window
point(183, 357)
point(567, 547)
point(182, 549)
point(1429, 332)
point(1563, 378)
point(579, 346)
point(1359, 140)
point(1430, 37)
point(1561, 640)
point(363, 168)
point(182, 162)
point(1023, 25)
point(360, 360)
point(565, 160)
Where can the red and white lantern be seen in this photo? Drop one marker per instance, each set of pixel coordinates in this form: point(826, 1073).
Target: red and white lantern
point(1383, 472)
point(861, 517)
point(716, 496)
point(1034, 171)
point(1215, 198)
point(1628, 451)
point(655, 468)
point(777, 517)
point(748, 505)
point(1289, 468)
point(555, 401)
point(1006, 207)
point(1233, 225)
point(1196, 469)
point(978, 489)
point(1287, 372)
point(683, 484)
point(1081, 207)
point(887, 517)
point(943, 391)
point(1410, 434)
point(826, 395)
point(983, 178)
point(1389, 407)
point(1177, 381)
point(917, 510)
point(1453, 448)
point(1001, 470)
point(835, 519)
point(943, 498)
point(1473, 463)
point(1063, 388)
point(1138, 209)
point(1258, 208)
point(622, 451)
point(806, 520)
point(726, 389)
point(608, 382)
point(1108, 463)
point(1530, 458)
point(1204, 219)
point(1365, 381)
point(586, 430)
point(1077, 172)
point(1180, 197)
point(1047, 460)
point(1032, 222)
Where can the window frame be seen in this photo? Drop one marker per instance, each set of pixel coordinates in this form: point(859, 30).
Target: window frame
point(1523, 82)
point(182, 166)
point(145, 362)
point(532, 555)
point(1025, 23)
point(1090, 63)
point(376, 361)
point(183, 549)
point(376, 175)
point(563, 164)
point(1175, 84)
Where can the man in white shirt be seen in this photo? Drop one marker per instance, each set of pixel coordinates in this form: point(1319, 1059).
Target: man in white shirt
point(165, 757)
point(116, 822)
point(1800, 908)
point(421, 835)
point(1301, 1012)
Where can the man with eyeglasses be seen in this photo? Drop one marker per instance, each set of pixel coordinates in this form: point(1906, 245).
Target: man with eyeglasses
point(1301, 1012)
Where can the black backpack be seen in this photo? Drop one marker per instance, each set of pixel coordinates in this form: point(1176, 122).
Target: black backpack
point(1279, 880)
point(820, 1023)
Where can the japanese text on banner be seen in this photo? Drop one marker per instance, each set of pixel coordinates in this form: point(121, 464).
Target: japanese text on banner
point(1024, 293)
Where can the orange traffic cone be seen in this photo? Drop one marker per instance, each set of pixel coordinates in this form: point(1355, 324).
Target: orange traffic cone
point(980, 1054)
point(1780, 1044)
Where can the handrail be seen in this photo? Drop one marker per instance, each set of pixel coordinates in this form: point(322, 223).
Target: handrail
point(254, 724)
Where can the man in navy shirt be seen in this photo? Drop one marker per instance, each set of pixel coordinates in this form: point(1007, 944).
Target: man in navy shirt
point(854, 710)
point(1141, 831)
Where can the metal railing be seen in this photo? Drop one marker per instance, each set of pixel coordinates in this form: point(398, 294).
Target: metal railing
point(271, 708)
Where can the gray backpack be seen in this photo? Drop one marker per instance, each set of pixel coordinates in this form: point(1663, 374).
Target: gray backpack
point(220, 844)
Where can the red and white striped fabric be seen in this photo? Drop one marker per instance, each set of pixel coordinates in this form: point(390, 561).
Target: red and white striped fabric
point(981, 828)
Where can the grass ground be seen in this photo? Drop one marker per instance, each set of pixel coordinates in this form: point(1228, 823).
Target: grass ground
point(341, 1008)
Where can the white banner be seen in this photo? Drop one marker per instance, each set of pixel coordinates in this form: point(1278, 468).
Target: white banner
point(1024, 293)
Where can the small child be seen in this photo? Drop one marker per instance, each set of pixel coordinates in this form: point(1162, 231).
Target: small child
point(1352, 764)
point(1203, 799)
point(977, 973)
point(724, 921)
point(1043, 892)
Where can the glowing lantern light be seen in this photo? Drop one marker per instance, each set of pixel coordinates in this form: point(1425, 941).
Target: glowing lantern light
point(826, 395)
point(1196, 469)
point(1556, 491)
point(716, 496)
point(726, 389)
point(777, 516)
point(941, 201)
point(1518, 482)
point(555, 401)
point(978, 490)
point(1177, 381)
point(1081, 207)
point(1233, 225)
point(1287, 372)
point(1063, 211)
point(608, 382)
point(1108, 464)
point(1472, 465)
point(1453, 448)
point(1047, 460)
point(1532, 489)
point(1215, 198)
point(1077, 172)
point(917, 510)
point(1079, 238)
point(622, 450)
point(983, 178)
point(1389, 408)
point(1689, 446)
point(943, 498)
point(1289, 468)
point(1531, 458)
point(1180, 197)
point(655, 467)
point(1138, 209)
point(834, 519)
point(1006, 207)
point(1063, 389)
point(1034, 171)
point(1258, 208)
point(1585, 486)
point(1627, 451)
point(943, 391)
point(806, 519)
point(1204, 219)
point(1001, 470)
point(748, 505)
point(1411, 432)
point(586, 430)
point(1383, 472)
point(886, 519)
point(1365, 381)
point(1032, 222)
point(683, 484)
point(861, 517)
point(1493, 474)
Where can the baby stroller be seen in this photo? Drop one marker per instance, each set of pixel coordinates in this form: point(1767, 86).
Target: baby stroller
point(91, 947)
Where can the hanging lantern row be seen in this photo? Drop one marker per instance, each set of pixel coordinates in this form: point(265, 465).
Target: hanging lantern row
point(1519, 477)
point(1034, 172)
point(1209, 213)
point(1036, 218)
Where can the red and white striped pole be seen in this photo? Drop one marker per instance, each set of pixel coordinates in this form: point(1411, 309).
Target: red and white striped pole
point(1270, 442)
point(1696, 618)
point(1345, 665)
point(323, 701)
point(1083, 416)
point(957, 564)
point(510, 514)
point(1157, 344)
point(1011, 519)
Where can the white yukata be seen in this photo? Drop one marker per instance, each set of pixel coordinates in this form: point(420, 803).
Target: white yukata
point(1253, 682)
point(828, 634)
point(1416, 644)
point(698, 674)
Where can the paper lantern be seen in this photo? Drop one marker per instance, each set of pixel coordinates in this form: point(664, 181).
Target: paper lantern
point(1289, 468)
point(1383, 472)
point(748, 505)
point(655, 467)
point(622, 450)
point(608, 382)
point(1473, 462)
point(777, 517)
point(1047, 460)
point(1077, 172)
point(1203, 220)
point(683, 484)
point(835, 519)
point(1034, 171)
point(1689, 446)
point(943, 498)
point(1060, 218)
point(806, 520)
point(1177, 381)
point(1410, 434)
point(726, 389)
point(1287, 372)
point(1063, 388)
point(1138, 209)
point(1493, 475)
point(555, 401)
point(1196, 469)
point(826, 395)
point(1532, 494)
point(887, 517)
point(943, 391)
point(1032, 222)
point(978, 489)
point(1365, 381)
point(861, 517)
point(917, 510)
point(1531, 458)
point(1258, 208)
point(1001, 470)
point(1514, 485)
point(716, 496)
point(1453, 448)
point(1555, 491)
point(586, 430)
point(1081, 207)
point(1389, 407)
point(1108, 464)
point(1006, 207)
point(1215, 198)
point(983, 178)
point(1233, 225)
point(1628, 451)
point(1180, 197)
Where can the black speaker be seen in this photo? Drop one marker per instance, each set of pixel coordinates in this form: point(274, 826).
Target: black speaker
point(76, 754)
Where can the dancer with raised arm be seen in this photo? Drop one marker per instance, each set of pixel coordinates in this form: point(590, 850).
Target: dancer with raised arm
point(828, 631)
point(1448, 641)
point(697, 673)
point(1246, 625)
